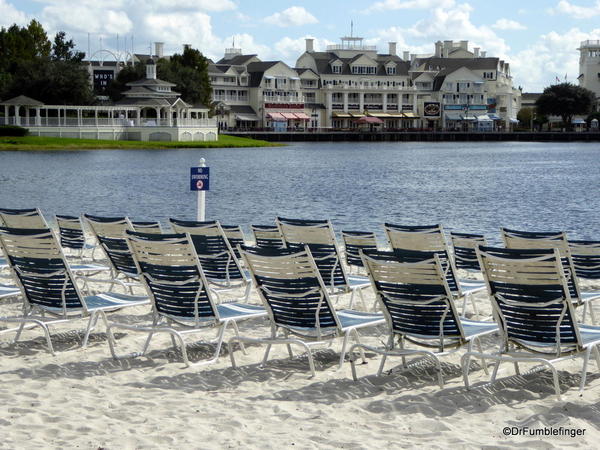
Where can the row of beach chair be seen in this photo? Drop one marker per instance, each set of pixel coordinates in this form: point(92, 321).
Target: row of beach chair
point(532, 285)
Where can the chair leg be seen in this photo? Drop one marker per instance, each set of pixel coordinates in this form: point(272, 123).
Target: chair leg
point(343, 351)
point(480, 350)
point(237, 333)
point(597, 353)
point(362, 351)
point(91, 326)
point(586, 358)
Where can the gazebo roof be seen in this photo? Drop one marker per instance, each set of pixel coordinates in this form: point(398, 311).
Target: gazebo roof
point(21, 100)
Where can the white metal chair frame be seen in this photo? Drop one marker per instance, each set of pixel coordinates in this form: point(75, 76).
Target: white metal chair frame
point(418, 273)
point(305, 339)
point(184, 251)
point(508, 349)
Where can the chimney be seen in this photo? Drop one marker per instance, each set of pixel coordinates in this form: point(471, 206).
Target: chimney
point(159, 49)
point(392, 48)
point(310, 45)
point(405, 56)
point(438, 49)
point(464, 45)
point(151, 69)
point(476, 52)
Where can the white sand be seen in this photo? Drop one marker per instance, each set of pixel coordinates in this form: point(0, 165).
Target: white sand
point(84, 399)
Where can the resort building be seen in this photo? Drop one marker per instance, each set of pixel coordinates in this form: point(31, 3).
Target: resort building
point(589, 68)
point(150, 111)
point(250, 93)
point(453, 88)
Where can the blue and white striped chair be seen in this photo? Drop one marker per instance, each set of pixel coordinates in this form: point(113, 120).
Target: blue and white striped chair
point(50, 292)
point(22, 218)
point(219, 263)
point(559, 241)
point(297, 301)
point(419, 307)
point(267, 236)
point(430, 238)
point(532, 304)
point(319, 236)
point(178, 288)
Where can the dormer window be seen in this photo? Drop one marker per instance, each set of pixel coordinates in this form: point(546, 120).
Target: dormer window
point(362, 70)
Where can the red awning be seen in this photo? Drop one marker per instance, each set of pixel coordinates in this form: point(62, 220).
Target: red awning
point(301, 116)
point(278, 117)
point(289, 116)
point(370, 120)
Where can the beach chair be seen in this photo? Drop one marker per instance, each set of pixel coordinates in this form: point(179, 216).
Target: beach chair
point(558, 240)
point(533, 306)
point(217, 258)
point(419, 307)
point(50, 292)
point(318, 235)
point(354, 242)
point(22, 218)
point(147, 227)
point(182, 303)
point(464, 245)
point(298, 304)
point(267, 236)
point(72, 235)
point(110, 234)
point(430, 238)
point(235, 237)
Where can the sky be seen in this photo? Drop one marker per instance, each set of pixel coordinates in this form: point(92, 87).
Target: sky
point(539, 38)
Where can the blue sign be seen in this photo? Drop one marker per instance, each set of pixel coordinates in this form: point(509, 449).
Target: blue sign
point(199, 178)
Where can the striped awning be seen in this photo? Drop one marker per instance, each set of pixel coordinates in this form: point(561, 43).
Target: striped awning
point(301, 116)
point(277, 117)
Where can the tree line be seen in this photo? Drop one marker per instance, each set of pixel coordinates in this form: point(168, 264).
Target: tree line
point(54, 72)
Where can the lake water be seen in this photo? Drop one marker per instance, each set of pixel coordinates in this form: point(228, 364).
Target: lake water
point(471, 187)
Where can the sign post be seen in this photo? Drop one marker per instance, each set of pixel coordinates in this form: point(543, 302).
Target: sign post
point(199, 182)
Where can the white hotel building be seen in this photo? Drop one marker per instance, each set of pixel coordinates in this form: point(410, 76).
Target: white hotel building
point(454, 88)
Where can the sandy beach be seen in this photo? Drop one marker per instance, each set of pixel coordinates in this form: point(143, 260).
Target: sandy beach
point(82, 398)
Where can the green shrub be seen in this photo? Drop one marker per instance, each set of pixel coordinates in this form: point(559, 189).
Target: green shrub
point(13, 130)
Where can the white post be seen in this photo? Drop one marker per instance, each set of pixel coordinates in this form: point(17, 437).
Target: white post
point(201, 199)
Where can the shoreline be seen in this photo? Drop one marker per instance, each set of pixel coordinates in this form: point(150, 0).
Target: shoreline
point(35, 143)
point(419, 136)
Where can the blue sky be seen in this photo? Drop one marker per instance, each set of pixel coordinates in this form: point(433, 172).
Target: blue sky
point(538, 38)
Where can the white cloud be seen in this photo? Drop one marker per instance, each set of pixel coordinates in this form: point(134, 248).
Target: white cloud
point(10, 15)
point(575, 11)
point(552, 55)
point(293, 16)
point(392, 5)
point(86, 17)
point(507, 24)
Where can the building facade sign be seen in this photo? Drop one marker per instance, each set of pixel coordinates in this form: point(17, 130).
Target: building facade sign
point(431, 109)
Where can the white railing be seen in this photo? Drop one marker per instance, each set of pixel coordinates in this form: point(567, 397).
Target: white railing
point(105, 122)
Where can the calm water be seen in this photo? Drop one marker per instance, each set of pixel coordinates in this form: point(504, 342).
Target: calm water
point(475, 187)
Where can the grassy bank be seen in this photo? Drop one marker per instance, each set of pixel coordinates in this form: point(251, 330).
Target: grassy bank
point(50, 143)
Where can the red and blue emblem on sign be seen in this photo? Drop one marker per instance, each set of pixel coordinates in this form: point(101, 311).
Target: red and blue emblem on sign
point(199, 179)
